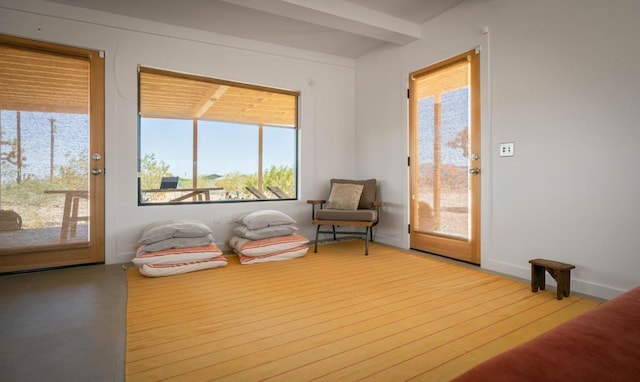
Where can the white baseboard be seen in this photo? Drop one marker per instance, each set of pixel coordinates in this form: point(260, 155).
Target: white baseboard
point(120, 258)
point(389, 240)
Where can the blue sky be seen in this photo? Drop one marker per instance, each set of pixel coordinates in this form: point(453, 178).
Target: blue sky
point(222, 147)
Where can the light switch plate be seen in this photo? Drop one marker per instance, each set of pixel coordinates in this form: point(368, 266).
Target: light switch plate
point(507, 149)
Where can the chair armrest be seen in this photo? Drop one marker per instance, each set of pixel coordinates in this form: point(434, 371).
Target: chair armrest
point(314, 203)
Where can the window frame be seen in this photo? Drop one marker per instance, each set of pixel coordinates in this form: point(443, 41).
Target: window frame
point(293, 118)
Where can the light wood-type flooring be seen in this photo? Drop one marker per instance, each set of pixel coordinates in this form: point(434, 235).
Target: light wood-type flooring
point(335, 315)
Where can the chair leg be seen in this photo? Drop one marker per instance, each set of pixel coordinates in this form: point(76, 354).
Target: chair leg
point(315, 247)
point(366, 242)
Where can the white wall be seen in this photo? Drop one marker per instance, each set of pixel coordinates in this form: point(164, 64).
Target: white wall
point(561, 80)
point(326, 109)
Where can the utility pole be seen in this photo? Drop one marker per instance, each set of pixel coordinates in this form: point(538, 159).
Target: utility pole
point(0, 159)
point(51, 122)
point(19, 149)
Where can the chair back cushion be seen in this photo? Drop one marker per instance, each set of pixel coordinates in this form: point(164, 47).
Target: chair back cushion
point(368, 195)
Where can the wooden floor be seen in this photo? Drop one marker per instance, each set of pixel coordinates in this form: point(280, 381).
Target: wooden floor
point(332, 316)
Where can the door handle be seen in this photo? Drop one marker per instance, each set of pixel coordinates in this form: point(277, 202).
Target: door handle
point(474, 171)
point(96, 171)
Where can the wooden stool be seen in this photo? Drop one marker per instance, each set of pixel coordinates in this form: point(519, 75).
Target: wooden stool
point(560, 272)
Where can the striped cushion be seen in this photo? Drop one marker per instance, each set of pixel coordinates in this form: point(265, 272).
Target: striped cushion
point(177, 255)
point(156, 270)
point(283, 255)
point(266, 246)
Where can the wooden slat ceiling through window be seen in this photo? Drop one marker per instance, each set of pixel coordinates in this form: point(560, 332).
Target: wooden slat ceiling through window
point(42, 81)
point(183, 96)
point(450, 78)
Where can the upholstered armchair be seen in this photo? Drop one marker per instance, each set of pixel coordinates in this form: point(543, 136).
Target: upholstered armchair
point(352, 203)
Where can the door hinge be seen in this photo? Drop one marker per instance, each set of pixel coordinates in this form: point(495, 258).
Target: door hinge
point(409, 161)
point(408, 93)
point(408, 228)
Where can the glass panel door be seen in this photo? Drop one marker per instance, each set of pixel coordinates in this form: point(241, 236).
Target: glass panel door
point(47, 126)
point(443, 138)
point(445, 143)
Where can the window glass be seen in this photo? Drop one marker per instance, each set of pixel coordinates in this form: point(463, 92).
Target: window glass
point(165, 150)
point(279, 159)
point(210, 140)
point(227, 158)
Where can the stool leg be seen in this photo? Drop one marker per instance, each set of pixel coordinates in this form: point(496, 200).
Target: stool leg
point(537, 278)
point(542, 281)
point(564, 284)
point(534, 282)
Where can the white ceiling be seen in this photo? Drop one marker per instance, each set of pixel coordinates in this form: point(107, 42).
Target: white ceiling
point(347, 28)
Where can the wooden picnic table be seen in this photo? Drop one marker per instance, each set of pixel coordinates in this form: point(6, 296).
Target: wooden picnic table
point(70, 216)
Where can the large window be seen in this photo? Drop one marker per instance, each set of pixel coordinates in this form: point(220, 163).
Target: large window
point(209, 140)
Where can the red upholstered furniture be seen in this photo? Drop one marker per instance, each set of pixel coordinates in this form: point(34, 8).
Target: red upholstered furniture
point(600, 345)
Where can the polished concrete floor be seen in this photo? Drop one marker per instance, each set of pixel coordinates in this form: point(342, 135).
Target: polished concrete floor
point(63, 325)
